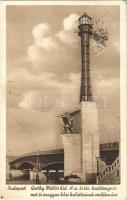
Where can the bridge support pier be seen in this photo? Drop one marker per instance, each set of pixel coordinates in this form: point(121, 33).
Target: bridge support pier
point(37, 178)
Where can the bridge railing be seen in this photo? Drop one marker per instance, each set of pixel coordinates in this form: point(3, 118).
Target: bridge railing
point(108, 170)
point(114, 146)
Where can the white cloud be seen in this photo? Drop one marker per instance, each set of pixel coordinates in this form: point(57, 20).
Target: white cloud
point(33, 99)
point(42, 39)
point(108, 83)
point(34, 53)
point(65, 36)
point(46, 43)
point(70, 22)
point(41, 30)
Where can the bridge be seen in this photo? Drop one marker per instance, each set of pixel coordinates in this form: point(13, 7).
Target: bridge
point(54, 159)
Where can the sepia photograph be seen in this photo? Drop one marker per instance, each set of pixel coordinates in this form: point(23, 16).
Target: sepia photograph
point(63, 94)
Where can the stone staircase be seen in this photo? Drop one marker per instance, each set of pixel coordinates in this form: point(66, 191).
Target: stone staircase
point(107, 175)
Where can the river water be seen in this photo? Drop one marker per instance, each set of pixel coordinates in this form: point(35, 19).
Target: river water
point(20, 178)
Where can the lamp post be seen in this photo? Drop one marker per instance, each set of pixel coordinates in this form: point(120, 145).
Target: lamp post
point(98, 158)
point(37, 169)
point(118, 127)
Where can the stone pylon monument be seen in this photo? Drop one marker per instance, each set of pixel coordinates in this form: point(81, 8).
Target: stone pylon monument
point(81, 136)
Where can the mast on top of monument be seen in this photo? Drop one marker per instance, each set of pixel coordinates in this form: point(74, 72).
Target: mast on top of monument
point(85, 31)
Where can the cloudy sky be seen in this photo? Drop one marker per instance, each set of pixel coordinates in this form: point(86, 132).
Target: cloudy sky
point(43, 74)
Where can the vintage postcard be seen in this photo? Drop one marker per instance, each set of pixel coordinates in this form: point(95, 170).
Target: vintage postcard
point(63, 100)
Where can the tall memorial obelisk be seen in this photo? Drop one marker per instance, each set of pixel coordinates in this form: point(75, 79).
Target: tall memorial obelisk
point(81, 148)
point(89, 114)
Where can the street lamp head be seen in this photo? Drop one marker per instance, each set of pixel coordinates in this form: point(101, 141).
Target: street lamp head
point(85, 25)
point(85, 19)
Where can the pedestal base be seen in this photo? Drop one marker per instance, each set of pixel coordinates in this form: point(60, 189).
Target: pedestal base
point(90, 141)
point(72, 154)
point(82, 149)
